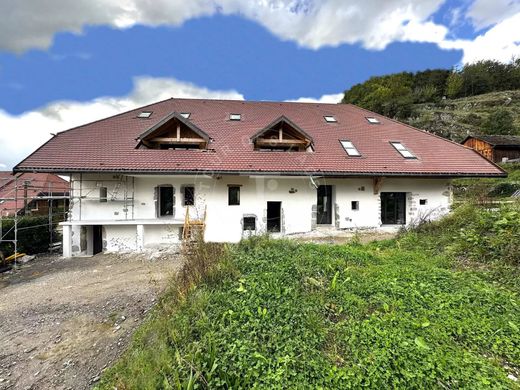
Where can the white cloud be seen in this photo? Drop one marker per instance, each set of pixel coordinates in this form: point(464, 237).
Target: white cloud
point(484, 13)
point(22, 134)
point(311, 23)
point(501, 42)
point(332, 98)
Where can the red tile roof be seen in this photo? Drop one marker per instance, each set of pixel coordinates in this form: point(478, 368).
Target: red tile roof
point(110, 144)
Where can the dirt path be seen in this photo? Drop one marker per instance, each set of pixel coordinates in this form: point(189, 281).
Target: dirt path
point(62, 321)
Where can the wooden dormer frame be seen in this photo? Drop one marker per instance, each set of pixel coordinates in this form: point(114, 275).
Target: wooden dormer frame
point(202, 140)
point(301, 143)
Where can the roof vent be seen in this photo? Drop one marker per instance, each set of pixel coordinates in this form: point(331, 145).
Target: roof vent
point(235, 117)
point(145, 114)
point(330, 119)
point(372, 120)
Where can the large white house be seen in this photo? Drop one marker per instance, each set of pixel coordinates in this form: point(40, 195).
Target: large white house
point(244, 168)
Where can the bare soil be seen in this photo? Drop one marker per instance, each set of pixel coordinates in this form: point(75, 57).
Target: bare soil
point(63, 321)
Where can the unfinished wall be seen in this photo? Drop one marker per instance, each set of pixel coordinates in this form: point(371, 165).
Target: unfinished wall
point(224, 223)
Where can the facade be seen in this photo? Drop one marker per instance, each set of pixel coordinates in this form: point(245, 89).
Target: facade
point(247, 168)
point(497, 148)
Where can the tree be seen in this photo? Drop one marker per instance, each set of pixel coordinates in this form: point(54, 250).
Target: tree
point(500, 122)
point(454, 85)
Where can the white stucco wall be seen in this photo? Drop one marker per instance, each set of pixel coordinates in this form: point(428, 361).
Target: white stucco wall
point(223, 222)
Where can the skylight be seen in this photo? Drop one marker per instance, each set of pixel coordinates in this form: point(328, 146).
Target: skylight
point(350, 148)
point(235, 117)
point(330, 119)
point(145, 114)
point(402, 150)
point(185, 114)
point(373, 120)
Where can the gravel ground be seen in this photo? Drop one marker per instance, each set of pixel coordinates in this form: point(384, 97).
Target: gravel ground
point(63, 321)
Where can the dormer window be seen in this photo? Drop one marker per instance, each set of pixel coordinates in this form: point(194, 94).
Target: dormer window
point(282, 135)
point(330, 119)
point(186, 115)
point(235, 117)
point(372, 120)
point(174, 132)
point(402, 150)
point(350, 149)
point(145, 114)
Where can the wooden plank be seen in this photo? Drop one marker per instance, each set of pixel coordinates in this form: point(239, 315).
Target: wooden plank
point(288, 142)
point(179, 140)
point(378, 182)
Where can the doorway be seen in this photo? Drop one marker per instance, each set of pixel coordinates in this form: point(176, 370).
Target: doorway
point(97, 237)
point(393, 208)
point(274, 217)
point(324, 205)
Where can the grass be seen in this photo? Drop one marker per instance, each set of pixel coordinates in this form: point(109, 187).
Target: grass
point(483, 189)
point(414, 312)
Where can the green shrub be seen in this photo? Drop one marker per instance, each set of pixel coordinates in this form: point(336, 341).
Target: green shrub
point(287, 315)
point(33, 234)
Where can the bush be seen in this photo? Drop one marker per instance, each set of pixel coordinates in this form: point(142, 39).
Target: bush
point(33, 234)
point(473, 233)
point(500, 121)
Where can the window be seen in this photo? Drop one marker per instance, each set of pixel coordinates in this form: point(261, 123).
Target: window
point(103, 194)
point(423, 202)
point(350, 148)
point(402, 150)
point(354, 205)
point(372, 120)
point(145, 114)
point(185, 115)
point(330, 119)
point(234, 195)
point(235, 117)
point(165, 201)
point(189, 196)
point(249, 223)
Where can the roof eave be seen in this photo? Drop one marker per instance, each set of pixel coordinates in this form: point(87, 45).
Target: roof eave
point(337, 174)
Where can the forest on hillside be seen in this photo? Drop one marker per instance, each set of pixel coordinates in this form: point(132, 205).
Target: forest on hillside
point(404, 95)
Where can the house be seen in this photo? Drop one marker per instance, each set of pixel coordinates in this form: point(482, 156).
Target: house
point(497, 148)
point(246, 168)
point(31, 193)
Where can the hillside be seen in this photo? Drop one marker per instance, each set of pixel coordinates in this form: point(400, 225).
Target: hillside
point(456, 118)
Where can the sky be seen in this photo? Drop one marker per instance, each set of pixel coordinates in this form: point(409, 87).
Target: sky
point(66, 63)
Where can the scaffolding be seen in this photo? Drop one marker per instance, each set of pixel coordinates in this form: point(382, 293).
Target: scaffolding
point(21, 197)
point(120, 189)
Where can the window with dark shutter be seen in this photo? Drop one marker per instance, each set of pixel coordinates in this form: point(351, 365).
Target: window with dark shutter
point(249, 223)
point(233, 195)
point(165, 201)
point(189, 196)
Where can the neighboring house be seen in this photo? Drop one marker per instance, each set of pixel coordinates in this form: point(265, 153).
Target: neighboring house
point(31, 193)
point(497, 148)
point(247, 167)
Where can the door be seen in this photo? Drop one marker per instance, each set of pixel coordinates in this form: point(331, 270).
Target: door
point(97, 235)
point(274, 217)
point(393, 208)
point(324, 205)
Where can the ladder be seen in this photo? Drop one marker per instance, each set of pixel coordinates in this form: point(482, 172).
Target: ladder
point(193, 228)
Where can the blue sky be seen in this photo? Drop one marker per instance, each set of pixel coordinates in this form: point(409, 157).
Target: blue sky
point(63, 64)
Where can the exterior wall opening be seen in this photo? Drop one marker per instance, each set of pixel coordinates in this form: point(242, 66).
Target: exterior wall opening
point(324, 205)
point(393, 208)
point(274, 217)
point(97, 237)
point(165, 201)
